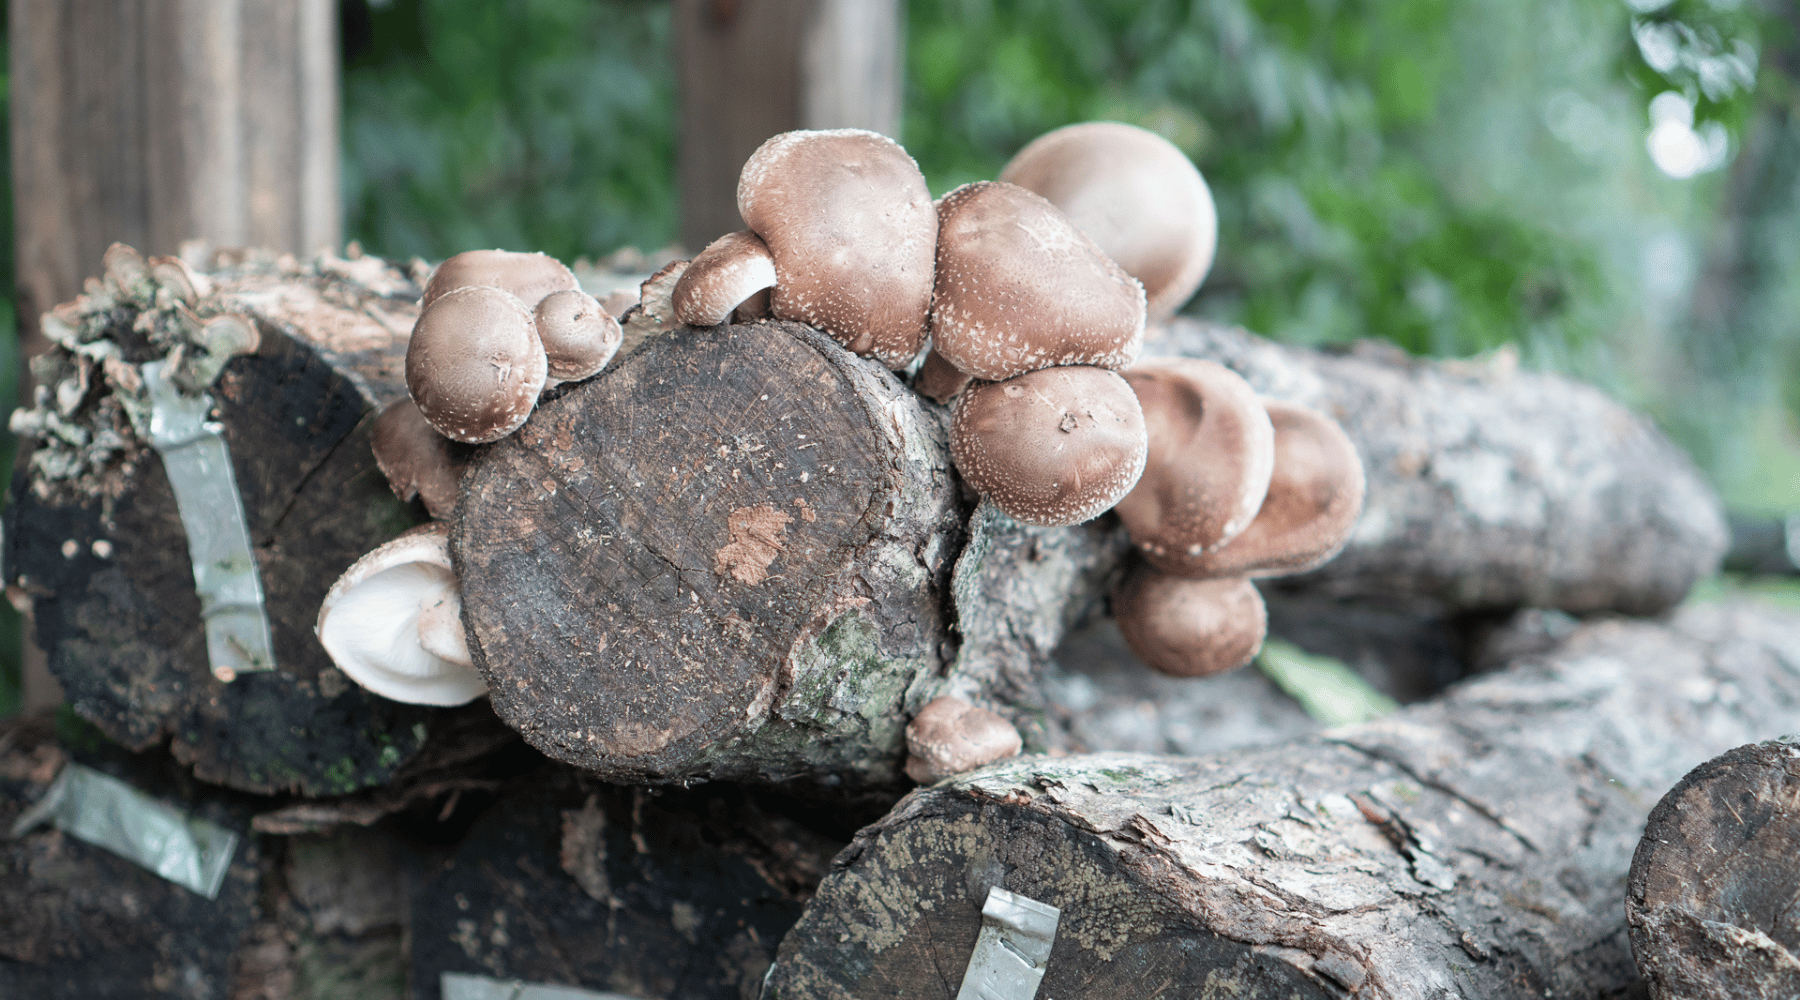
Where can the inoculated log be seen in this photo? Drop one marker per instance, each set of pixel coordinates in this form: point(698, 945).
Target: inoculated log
point(95, 537)
point(1489, 486)
point(726, 557)
point(1474, 846)
point(1714, 902)
point(682, 894)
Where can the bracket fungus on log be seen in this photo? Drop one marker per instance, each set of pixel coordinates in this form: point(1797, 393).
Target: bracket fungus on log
point(723, 558)
point(95, 537)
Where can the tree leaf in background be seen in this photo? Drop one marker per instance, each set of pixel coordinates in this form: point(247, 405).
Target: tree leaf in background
point(1330, 692)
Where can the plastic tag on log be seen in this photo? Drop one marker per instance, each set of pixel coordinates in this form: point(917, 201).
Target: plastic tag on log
point(459, 986)
point(1012, 950)
point(218, 534)
point(110, 814)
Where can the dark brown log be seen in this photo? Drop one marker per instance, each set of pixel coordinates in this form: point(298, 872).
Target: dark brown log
point(681, 894)
point(726, 557)
point(750, 70)
point(1489, 486)
point(1475, 846)
point(77, 921)
point(93, 533)
point(1714, 900)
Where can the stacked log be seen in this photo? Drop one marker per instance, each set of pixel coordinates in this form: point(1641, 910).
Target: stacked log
point(1472, 846)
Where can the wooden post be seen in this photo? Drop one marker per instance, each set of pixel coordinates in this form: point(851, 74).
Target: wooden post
point(749, 69)
point(150, 122)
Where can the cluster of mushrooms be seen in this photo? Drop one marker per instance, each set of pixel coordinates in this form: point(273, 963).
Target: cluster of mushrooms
point(1029, 299)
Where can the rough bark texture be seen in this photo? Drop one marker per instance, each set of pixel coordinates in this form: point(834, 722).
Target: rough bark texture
point(682, 894)
point(1489, 486)
point(78, 922)
point(726, 557)
point(1714, 899)
point(1473, 846)
point(94, 536)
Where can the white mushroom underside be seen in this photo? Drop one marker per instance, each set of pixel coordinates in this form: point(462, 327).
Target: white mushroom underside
point(383, 647)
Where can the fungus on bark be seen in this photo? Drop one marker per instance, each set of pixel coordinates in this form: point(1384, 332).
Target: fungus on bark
point(529, 276)
point(1055, 446)
point(393, 622)
point(849, 221)
point(950, 736)
point(578, 334)
point(728, 273)
point(416, 459)
point(1189, 628)
point(475, 364)
point(1136, 195)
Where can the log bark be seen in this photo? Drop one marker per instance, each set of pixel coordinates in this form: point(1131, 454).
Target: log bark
point(724, 558)
point(1713, 893)
point(94, 535)
point(77, 921)
point(1489, 486)
point(682, 894)
point(1473, 846)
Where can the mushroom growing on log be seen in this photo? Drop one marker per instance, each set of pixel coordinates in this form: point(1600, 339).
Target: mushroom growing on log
point(1475, 846)
point(95, 537)
point(1713, 893)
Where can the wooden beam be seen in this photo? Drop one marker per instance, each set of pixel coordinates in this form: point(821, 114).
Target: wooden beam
point(749, 69)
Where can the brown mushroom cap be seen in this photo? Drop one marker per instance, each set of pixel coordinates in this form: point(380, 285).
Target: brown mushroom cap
point(529, 276)
point(1050, 447)
point(1212, 451)
point(475, 365)
point(728, 273)
point(416, 459)
point(1020, 288)
point(938, 379)
point(578, 334)
point(1315, 497)
point(849, 220)
point(1189, 628)
point(1136, 195)
point(950, 736)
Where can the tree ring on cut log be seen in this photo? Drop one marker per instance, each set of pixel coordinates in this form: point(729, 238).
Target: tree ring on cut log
point(644, 562)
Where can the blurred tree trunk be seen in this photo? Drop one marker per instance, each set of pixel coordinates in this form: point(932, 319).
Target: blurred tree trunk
point(150, 122)
point(749, 69)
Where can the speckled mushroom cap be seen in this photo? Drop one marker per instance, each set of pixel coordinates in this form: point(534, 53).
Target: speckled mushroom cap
point(416, 459)
point(850, 223)
point(475, 365)
point(1050, 447)
point(1189, 628)
point(393, 622)
point(1212, 450)
point(1315, 497)
point(1136, 195)
point(731, 269)
point(1020, 288)
point(529, 276)
point(950, 736)
point(578, 334)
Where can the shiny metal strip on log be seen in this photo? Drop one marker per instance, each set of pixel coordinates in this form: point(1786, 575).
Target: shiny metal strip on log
point(1012, 950)
point(460, 986)
point(111, 814)
point(226, 579)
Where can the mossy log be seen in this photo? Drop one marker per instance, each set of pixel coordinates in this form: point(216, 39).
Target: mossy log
point(1714, 901)
point(95, 538)
point(681, 893)
point(1473, 846)
point(1489, 486)
point(727, 557)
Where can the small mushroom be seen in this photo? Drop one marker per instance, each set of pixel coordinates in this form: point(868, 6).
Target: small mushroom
point(1050, 447)
point(1212, 451)
point(938, 379)
point(950, 736)
point(475, 365)
point(849, 221)
point(1315, 496)
point(727, 274)
point(416, 459)
point(1136, 195)
point(1189, 628)
point(1020, 288)
point(528, 276)
point(579, 336)
point(393, 622)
